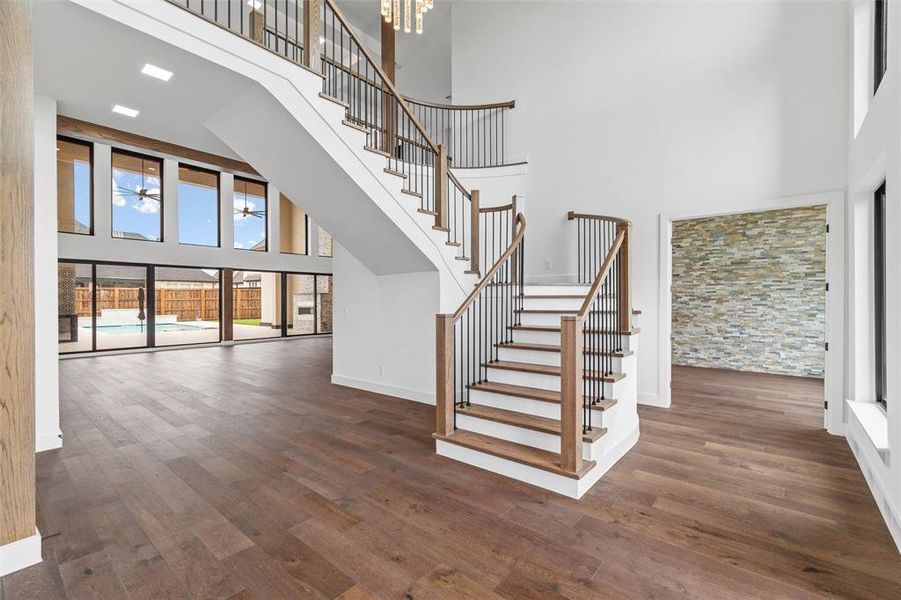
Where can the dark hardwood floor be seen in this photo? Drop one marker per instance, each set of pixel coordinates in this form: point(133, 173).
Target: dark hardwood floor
point(243, 473)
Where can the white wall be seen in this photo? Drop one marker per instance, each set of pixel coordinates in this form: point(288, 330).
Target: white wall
point(874, 157)
point(636, 109)
point(384, 329)
point(46, 383)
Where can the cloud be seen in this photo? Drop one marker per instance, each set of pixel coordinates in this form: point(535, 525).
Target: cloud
point(148, 206)
point(118, 200)
point(239, 207)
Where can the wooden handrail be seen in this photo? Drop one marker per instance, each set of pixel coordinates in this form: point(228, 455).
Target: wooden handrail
point(377, 67)
point(517, 239)
point(602, 275)
point(574, 215)
point(491, 105)
point(496, 208)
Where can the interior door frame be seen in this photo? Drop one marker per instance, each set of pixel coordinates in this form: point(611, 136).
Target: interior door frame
point(834, 202)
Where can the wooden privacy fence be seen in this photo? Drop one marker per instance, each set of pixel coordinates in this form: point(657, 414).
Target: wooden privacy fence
point(187, 304)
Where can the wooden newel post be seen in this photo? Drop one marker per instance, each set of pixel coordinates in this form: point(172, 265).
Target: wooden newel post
point(571, 394)
point(475, 226)
point(440, 170)
point(445, 397)
point(312, 27)
point(625, 289)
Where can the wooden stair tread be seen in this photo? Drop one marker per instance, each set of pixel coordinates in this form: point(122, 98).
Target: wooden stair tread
point(377, 151)
point(556, 329)
point(518, 419)
point(355, 126)
point(557, 311)
point(526, 455)
point(325, 96)
point(522, 391)
point(395, 172)
point(418, 195)
point(509, 365)
point(556, 348)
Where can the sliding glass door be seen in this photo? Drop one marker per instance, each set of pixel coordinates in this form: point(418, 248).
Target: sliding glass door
point(122, 307)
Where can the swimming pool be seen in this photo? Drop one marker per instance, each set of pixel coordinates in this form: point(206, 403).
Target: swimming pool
point(160, 328)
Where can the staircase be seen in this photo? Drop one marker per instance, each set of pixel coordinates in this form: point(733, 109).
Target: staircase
point(550, 397)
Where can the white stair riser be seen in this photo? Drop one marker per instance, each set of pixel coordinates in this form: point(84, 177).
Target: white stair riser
point(520, 435)
point(555, 290)
point(553, 338)
point(539, 357)
point(538, 380)
point(553, 319)
point(548, 410)
point(552, 303)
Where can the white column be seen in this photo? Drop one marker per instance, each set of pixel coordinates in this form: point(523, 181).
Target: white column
point(227, 210)
point(170, 202)
point(103, 198)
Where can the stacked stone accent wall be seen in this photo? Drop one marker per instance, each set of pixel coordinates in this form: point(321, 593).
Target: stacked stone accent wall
point(749, 292)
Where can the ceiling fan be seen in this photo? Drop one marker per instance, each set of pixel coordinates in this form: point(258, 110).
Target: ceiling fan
point(140, 193)
point(246, 212)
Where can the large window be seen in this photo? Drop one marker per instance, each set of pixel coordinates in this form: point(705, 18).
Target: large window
point(187, 306)
point(250, 215)
point(323, 304)
point(198, 206)
point(75, 307)
point(301, 298)
point(74, 186)
point(137, 197)
point(879, 291)
point(292, 227)
point(122, 307)
point(880, 42)
point(256, 305)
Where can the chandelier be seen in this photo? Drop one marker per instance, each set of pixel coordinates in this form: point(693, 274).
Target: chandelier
point(412, 9)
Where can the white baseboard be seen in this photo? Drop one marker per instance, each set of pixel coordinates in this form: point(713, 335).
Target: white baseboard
point(649, 399)
point(20, 554)
point(48, 441)
point(386, 389)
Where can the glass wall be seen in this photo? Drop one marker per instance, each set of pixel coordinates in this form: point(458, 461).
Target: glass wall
point(292, 227)
point(250, 215)
point(301, 297)
point(74, 185)
point(324, 304)
point(257, 305)
point(187, 306)
point(137, 197)
point(122, 306)
point(75, 307)
point(198, 206)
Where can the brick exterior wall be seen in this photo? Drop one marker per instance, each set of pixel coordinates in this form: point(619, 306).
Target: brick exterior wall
point(749, 292)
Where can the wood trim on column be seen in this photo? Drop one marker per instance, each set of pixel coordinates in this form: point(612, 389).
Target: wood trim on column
point(475, 226)
point(625, 268)
point(388, 50)
point(444, 342)
point(312, 30)
point(17, 475)
point(70, 126)
point(227, 290)
point(570, 394)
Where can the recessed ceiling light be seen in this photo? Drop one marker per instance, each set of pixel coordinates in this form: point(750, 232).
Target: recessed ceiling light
point(255, 4)
point(124, 110)
point(155, 71)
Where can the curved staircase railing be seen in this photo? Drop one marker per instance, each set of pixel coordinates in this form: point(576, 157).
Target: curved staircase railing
point(475, 134)
point(467, 340)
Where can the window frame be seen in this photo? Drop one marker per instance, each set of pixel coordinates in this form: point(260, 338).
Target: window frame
point(90, 146)
point(218, 175)
point(265, 185)
point(880, 42)
point(142, 156)
point(879, 309)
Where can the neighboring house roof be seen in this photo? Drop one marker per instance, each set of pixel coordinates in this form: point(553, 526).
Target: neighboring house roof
point(246, 276)
point(130, 273)
point(130, 235)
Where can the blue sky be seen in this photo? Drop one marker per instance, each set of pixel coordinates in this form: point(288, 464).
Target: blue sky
point(134, 214)
point(82, 183)
point(250, 230)
point(197, 215)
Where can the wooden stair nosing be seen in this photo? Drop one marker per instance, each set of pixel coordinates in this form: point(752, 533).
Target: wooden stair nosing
point(556, 329)
point(509, 365)
point(556, 348)
point(417, 195)
point(523, 420)
point(530, 393)
point(355, 126)
point(395, 172)
point(558, 311)
point(376, 151)
point(525, 455)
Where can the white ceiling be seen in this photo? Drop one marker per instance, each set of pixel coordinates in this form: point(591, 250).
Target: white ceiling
point(88, 63)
